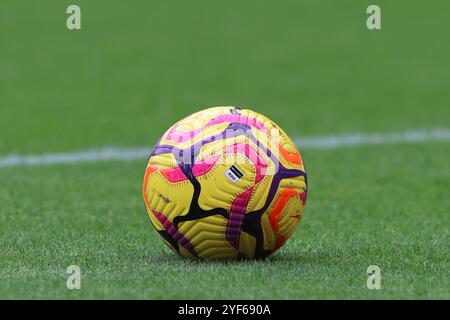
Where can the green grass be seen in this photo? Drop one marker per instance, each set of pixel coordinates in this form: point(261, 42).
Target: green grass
point(381, 210)
point(134, 69)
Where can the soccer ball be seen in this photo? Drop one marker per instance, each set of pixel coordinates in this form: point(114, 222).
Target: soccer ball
point(225, 183)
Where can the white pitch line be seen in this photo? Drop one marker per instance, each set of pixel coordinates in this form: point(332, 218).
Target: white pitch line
point(319, 142)
point(361, 139)
point(104, 154)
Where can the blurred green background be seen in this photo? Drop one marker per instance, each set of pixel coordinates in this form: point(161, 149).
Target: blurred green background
point(137, 67)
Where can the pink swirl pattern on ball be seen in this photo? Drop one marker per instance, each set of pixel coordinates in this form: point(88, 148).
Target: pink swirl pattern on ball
point(237, 118)
point(199, 169)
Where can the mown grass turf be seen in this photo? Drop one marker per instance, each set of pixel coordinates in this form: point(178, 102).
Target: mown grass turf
point(386, 206)
point(136, 68)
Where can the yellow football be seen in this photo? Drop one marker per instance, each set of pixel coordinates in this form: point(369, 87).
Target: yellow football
point(225, 183)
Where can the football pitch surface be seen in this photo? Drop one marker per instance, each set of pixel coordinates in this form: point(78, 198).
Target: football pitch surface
point(136, 68)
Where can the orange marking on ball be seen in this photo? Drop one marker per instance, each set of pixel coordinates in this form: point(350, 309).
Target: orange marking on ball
point(292, 157)
point(279, 243)
point(277, 210)
point(150, 168)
